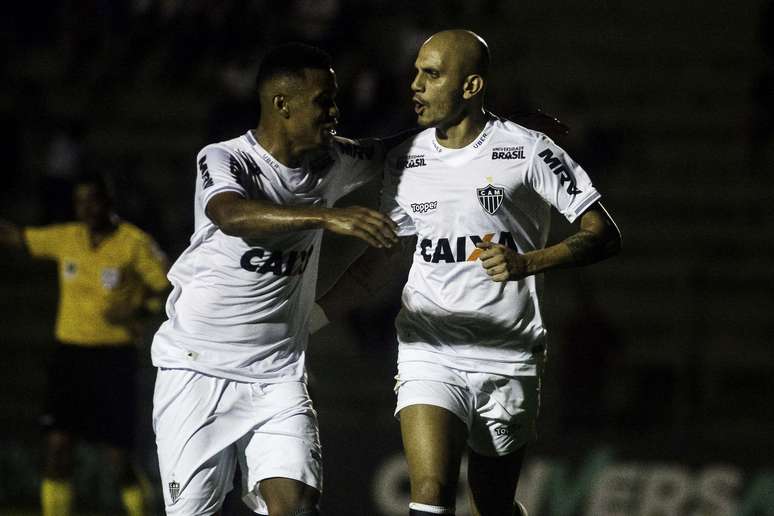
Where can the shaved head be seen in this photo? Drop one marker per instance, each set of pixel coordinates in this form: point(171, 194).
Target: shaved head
point(449, 86)
point(462, 49)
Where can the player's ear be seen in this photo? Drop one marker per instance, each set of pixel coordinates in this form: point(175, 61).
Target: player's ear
point(281, 105)
point(473, 85)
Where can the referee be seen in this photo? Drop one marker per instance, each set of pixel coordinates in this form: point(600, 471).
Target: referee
point(111, 274)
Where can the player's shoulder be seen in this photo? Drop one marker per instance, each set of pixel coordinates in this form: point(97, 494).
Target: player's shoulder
point(226, 148)
point(413, 143)
point(511, 130)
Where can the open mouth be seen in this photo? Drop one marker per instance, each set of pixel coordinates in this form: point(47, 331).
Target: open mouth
point(419, 106)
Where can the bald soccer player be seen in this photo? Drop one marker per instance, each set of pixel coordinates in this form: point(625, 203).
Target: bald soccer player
point(472, 197)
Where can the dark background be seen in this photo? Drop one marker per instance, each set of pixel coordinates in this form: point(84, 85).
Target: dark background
point(658, 393)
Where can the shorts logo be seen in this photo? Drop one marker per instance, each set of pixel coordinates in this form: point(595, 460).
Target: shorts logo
point(423, 207)
point(490, 197)
point(174, 491)
point(411, 161)
point(506, 430)
point(508, 152)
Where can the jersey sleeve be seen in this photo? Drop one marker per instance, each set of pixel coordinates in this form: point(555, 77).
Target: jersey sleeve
point(389, 202)
point(217, 173)
point(44, 241)
point(151, 264)
point(560, 181)
point(359, 162)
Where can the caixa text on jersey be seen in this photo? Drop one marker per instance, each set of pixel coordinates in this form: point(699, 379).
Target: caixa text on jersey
point(464, 248)
point(279, 263)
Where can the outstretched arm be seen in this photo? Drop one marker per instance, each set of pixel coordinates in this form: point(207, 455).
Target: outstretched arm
point(370, 273)
point(237, 216)
point(598, 238)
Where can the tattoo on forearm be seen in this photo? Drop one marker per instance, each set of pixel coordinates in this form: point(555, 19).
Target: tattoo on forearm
point(585, 247)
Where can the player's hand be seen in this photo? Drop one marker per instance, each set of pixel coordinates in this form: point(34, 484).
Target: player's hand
point(371, 226)
point(502, 263)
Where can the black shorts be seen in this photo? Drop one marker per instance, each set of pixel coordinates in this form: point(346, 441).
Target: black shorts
point(92, 393)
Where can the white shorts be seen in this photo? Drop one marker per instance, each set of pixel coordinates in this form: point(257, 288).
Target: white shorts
point(499, 411)
point(204, 425)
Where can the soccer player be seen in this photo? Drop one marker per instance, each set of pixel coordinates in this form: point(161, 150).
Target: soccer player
point(471, 195)
point(231, 384)
point(110, 274)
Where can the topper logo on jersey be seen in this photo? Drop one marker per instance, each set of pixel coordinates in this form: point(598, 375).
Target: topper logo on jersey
point(422, 207)
point(441, 250)
point(204, 171)
point(560, 170)
point(279, 263)
point(411, 161)
point(490, 198)
point(508, 152)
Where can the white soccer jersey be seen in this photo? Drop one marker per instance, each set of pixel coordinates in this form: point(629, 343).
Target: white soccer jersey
point(498, 189)
point(239, 309)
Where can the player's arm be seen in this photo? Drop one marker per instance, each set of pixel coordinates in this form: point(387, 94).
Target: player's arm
point(11, 235)
point(237, 216)
point(369, 274)
point(597, 238)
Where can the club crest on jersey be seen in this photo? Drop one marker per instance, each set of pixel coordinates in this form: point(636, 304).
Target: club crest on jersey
point(174, 491)
point(490, 198)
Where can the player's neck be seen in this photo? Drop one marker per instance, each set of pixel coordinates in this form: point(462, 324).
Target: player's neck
point(462, 132)
point(278, 145)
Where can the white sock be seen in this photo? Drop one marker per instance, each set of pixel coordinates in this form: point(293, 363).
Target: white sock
point(431, 509)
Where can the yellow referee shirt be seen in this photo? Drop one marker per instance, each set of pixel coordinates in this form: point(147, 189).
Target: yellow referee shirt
point(120, 272)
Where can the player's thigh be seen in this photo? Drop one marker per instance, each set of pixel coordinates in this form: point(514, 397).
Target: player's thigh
point(505, 413)
point(196, 428)
point(284, 451)
point(492, 482)
point(205, 491)
point(287, 496)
